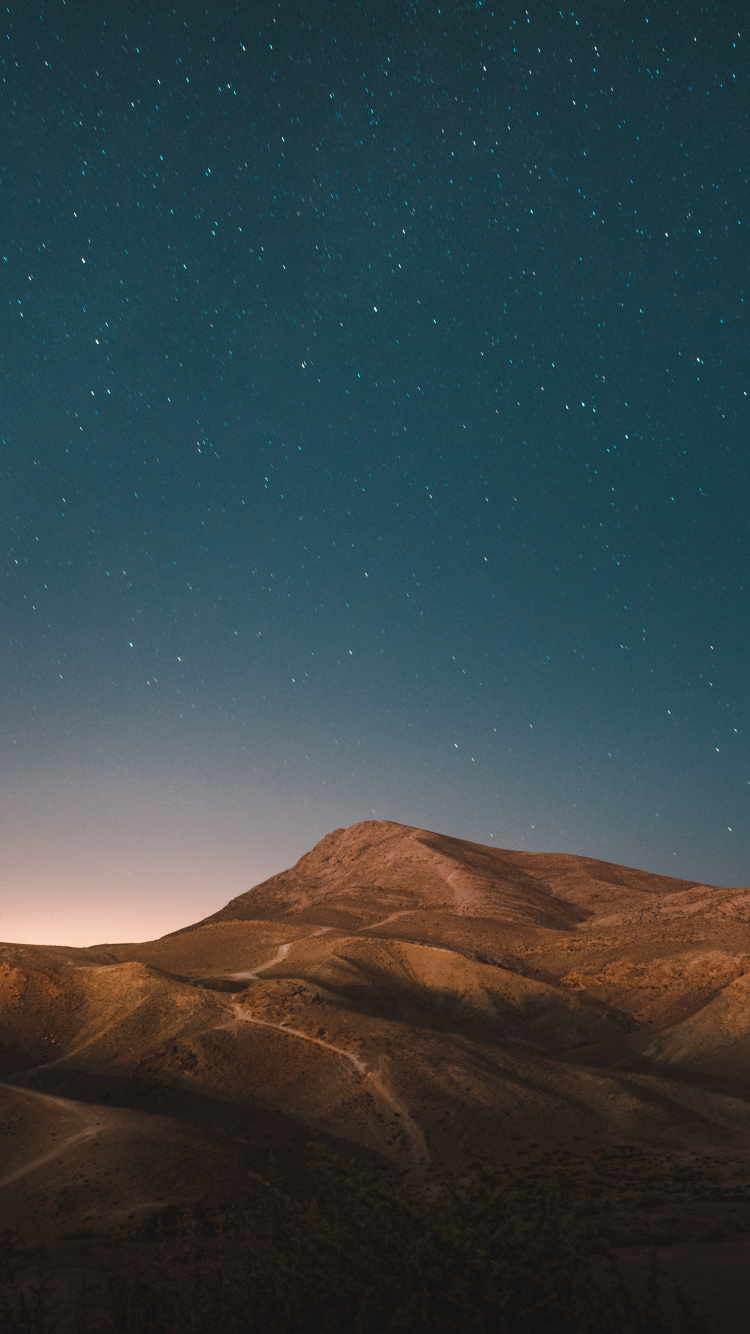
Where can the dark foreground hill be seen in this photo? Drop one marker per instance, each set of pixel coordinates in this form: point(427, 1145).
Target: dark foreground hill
point(411, 1004)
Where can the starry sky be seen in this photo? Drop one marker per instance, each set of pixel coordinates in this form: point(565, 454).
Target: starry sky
point(374, 441)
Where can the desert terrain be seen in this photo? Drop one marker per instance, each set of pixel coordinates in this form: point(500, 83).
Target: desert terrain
point(409, 1002)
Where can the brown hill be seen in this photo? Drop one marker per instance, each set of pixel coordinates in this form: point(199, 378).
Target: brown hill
point(356, 876)
point(410, 999)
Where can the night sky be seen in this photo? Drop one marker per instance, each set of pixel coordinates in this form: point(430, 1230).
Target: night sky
point(374, 441)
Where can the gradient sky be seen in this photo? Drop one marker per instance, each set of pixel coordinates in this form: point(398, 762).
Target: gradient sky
point(374, 441)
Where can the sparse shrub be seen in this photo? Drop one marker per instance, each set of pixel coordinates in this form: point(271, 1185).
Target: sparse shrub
point(26, 1291)
point(365, 1256)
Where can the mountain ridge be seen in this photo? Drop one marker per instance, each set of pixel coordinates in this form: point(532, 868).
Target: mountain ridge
point(384, 863)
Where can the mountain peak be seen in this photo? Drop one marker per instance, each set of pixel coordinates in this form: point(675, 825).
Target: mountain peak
point(360, 875)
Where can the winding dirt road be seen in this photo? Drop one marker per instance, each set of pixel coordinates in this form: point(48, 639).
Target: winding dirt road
point(374, 1080)
point(250, 974)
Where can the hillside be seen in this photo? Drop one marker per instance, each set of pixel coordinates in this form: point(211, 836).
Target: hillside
point(409, 1000)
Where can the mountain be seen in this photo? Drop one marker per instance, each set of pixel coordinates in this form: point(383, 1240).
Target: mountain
point(409, 1000)
point(356, 876)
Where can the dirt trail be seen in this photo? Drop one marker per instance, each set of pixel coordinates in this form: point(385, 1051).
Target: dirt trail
point(250, 974)
point(384, 920)
point(375, 1081)
point(93, 1118)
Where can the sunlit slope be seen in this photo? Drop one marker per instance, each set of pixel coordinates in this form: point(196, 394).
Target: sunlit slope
point(625, 948)
point(470, 929)
point(218, 948)
point(715, 1039)
point(427, 986)
point(357, 876)
point(96, 1016)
